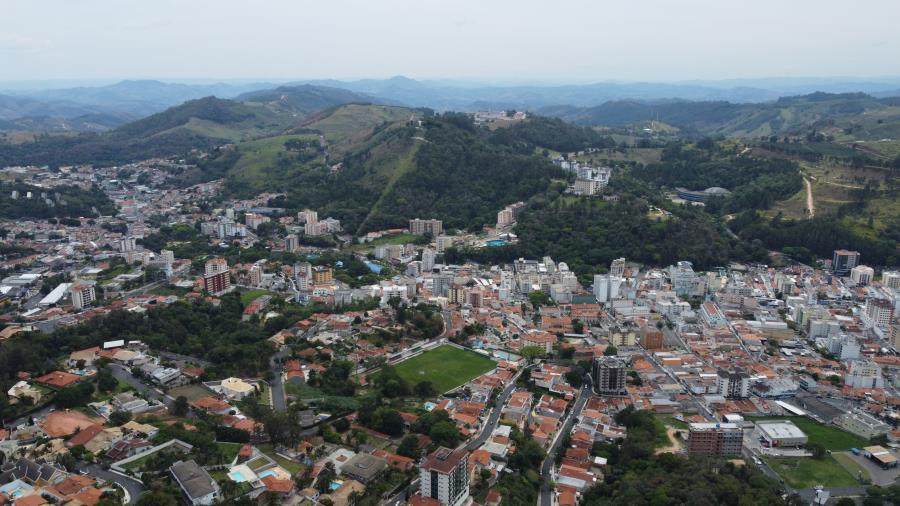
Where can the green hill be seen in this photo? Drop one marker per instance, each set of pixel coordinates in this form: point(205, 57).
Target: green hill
point(196, 124)
point(376, 166)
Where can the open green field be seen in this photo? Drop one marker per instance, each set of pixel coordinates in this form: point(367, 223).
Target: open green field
point(807, 472)
point(404, 238)
point(248, 296)
point(852, 466)
point(832, 438)
point(447, 367)
point(289, 465)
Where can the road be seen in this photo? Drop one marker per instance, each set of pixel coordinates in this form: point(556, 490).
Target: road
point(131, 485)
point(123, 373)
point(275, 363)
point(494, 418)
point(546, 496)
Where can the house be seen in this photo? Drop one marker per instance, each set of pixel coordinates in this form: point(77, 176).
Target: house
point(58, 379)
point(128, 448)
point(363, 467)
point(198, 487)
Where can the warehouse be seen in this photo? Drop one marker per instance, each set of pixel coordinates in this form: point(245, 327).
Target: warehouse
point(780, 433)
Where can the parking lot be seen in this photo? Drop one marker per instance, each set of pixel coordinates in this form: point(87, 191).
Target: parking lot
point(879, 476)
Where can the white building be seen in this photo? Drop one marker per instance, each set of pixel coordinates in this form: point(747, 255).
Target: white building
point(864, 374)
point(862, 274)
point(606, 287)
point(83, 294)
point(891, 279)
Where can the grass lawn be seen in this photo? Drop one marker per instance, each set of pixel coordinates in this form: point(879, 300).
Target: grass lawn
point(846, 461)
point(807, 472)
point(832, 438)
point(248, 296)
point(447, 367)
point(403, 238)
point(671, 421)
point(229, 450)
point(289, 465)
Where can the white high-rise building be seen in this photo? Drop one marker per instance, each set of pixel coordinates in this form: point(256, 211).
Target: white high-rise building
point(864, 374)
point(617, 268)
point(862, 274)
point(127, 244)
point(878, 313)
point(606, 287)
point(82, 294)
point(428, 257)
point(444, 476)
point(891, 279)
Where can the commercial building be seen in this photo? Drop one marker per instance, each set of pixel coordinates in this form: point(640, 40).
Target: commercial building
point(780, 433)
point(844, 261)
point(422, 227)
point(443, 475)
point(862, 424)
point(720, 439)
point(609, 376)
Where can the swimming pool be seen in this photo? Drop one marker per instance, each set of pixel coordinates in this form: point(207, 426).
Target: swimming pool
point(266, 473)
point(237, 476)
point(496, 242)
point(373, 267)
point(429, 406)
point(334, 485)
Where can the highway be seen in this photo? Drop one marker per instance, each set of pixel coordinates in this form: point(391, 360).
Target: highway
point(546, 496)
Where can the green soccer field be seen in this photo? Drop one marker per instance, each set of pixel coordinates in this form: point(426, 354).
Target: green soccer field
point(447, 367)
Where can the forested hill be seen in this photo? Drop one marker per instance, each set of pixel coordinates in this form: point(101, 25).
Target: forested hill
point(196, 124)
point(384, 165)
point(787, 115)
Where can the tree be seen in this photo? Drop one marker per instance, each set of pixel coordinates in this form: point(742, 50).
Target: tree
point(180, 407)
point(817, 449)
point(326, 476)
point(106, 382)
point(425, 389)
point(611, 351)
point(118, 418)
point(341, 425)
point(388, 421)
point(444, 434)
point(409, 447)
point(531, 352)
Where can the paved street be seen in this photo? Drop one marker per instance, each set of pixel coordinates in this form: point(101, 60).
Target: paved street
point(131, 485)
point(494, 418)
point(546, 495)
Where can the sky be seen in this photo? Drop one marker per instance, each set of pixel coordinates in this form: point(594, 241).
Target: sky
point(487, 40)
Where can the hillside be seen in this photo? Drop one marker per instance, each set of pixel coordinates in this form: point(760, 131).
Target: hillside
point(375, 167)
point(59, 202)
point(196, 124)
point(785, 116)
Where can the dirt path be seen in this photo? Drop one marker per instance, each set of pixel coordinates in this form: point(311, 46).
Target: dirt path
point(674, 445)
point(810, 205)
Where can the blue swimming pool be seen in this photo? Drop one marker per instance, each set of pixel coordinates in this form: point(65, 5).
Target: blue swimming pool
point(266, 473)
point(496, 242)
point(237, 476)
point(334, 485)
point(373, 267)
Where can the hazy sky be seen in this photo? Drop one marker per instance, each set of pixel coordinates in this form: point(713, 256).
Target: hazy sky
point(548, 40)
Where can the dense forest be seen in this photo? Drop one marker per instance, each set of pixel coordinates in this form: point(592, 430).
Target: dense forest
point(589, 233)
point(550, 133)
point(461, 179)
point(817, 236)
point(65, 202)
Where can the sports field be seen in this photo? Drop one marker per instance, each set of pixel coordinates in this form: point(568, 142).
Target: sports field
point(447, 367)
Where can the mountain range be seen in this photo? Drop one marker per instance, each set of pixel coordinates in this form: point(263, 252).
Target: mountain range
point(101, 108)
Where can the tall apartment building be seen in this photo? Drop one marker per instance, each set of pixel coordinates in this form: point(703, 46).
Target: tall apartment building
point(878, 313)
point(443, 242)
point(307, 216)
point(421, 227)
point(891, 279)
point(291, 243)
point(683, 278)
point(617, 268)
point(862, 274)
point(440, 284)
point(82, 294)
point(322, 275)
point(255, 275)
point(509, 214)
point(443, 475)
point(844, 261)
point(127, 244)
point(719, 439)
point(864, 374)
point(733, 384)
point(606, 287)
point(652, 339)
point(216, 278)
point(428, 259)
point(609, 376)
